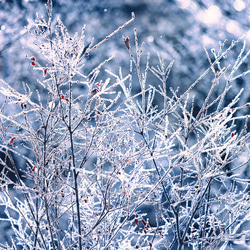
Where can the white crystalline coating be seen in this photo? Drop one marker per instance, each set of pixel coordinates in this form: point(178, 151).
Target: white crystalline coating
point(95, 151)
point(51, 105)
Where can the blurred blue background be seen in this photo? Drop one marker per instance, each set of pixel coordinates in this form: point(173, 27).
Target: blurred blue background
point(176, 28)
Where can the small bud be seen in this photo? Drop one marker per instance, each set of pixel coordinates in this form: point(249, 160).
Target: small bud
point(23, 105)
point(127, 43)
point(94, 91)
point(45, 72)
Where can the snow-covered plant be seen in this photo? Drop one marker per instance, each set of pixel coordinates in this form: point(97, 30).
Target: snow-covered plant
point(92, 153)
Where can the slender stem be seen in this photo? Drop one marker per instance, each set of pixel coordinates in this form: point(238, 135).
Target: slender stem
point(194, 211)
point(78, 209)
point(45, 184)
point(75, 174)
point(136, 207)
point(27, 199)
point(165, 192)
point(206, 213)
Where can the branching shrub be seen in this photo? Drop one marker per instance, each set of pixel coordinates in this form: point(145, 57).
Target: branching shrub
point(93, 154)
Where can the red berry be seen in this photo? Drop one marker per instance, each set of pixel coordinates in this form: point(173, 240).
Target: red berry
point(136, 222)
point(12, 140)
point(33, 169)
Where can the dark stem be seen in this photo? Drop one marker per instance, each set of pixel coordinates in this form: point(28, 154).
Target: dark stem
point(45, 185)
point(75, 174)
point(194, 211)
point(165, 192)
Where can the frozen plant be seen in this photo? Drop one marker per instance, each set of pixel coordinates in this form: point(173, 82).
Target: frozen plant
point(93, 153)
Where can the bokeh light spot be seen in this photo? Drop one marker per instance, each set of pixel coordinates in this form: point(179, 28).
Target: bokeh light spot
point(151, 39)
point(210, 16)
point(239, 5)
point(233, 27)
point(183, 4)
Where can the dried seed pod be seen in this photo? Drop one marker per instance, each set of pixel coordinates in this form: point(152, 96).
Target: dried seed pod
point(127, 43)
